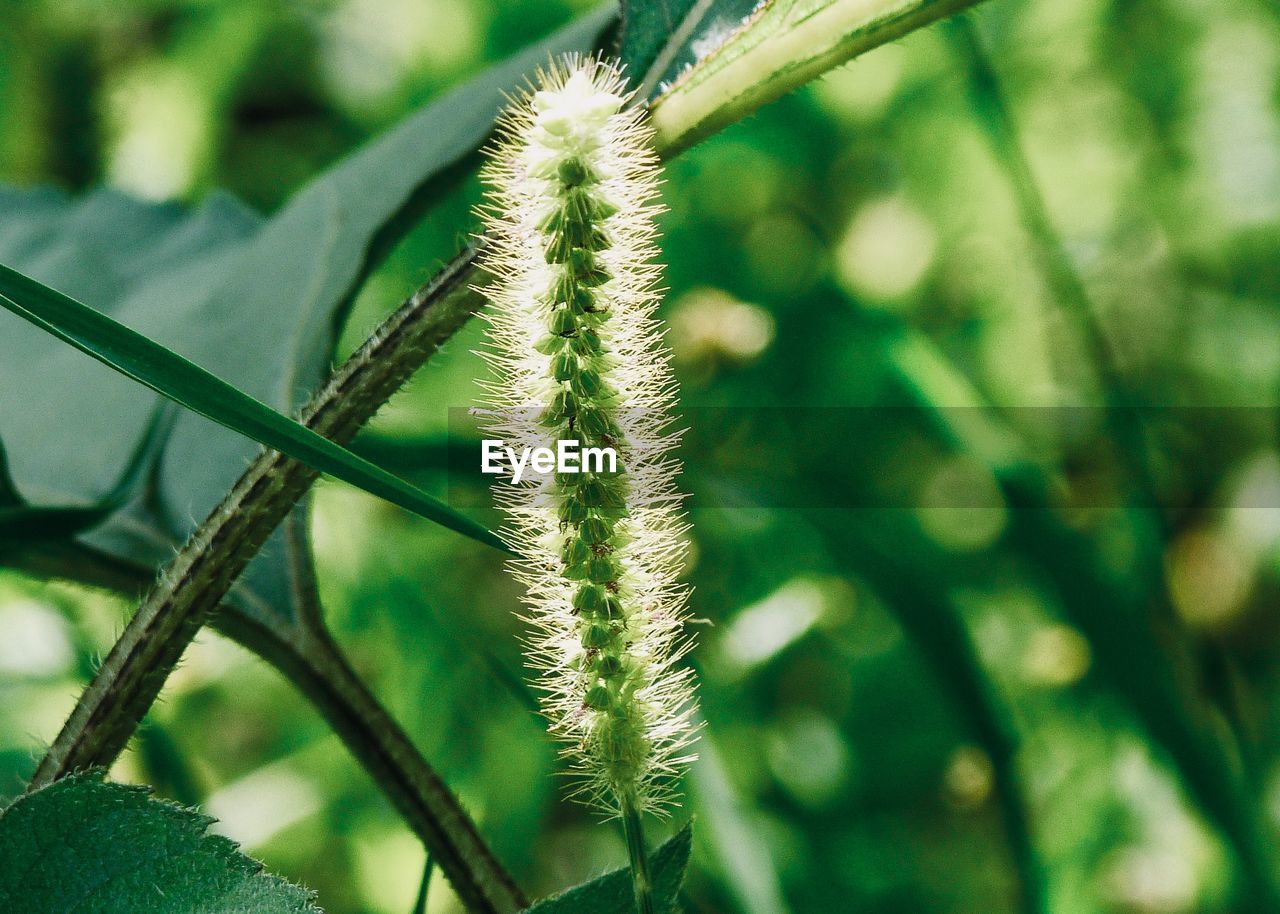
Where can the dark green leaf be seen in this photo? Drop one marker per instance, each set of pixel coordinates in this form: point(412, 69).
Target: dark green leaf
point(166, 372)
point(647, 27)
point(94, 848)
point(612, 892)
point(70, 426)
point(273, 309)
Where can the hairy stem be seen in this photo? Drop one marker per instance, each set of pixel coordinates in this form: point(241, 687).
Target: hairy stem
point(633, 830)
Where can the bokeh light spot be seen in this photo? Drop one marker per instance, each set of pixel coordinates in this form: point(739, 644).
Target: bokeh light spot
point(886, 251)
point(710, 324)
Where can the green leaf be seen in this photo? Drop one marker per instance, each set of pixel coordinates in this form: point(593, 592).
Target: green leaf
point(189, 385)
point(612, 892)
point(275, 306)
point(740, 56)
point(94, 848)
point(70, 426)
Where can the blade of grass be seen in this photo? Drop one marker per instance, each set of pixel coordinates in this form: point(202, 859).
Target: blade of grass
point(1117, 637)
point(994, 116)
point(189, 385)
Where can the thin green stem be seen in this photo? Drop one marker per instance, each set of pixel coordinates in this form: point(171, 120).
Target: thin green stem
point(420, 903)
point(633, 830)
point(781, 47)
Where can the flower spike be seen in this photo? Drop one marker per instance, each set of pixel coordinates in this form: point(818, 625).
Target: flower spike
point(577, 356)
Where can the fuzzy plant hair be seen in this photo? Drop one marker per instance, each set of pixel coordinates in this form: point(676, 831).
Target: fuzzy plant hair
point(578, 356)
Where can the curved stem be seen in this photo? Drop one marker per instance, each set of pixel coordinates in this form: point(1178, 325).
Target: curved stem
point(776, 51)
point(203, 571)
point(311, 661)
point(634, 832)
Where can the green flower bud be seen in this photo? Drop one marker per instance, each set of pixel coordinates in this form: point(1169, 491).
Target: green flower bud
point(587, 342)
point(572, 511)
point(574, 552)
point(572, 172)
point(601, 570)
point(597, 698)
point(563, 323)
point(596, 635)
point(588, 598)
point(594, 530)
point(565, 367)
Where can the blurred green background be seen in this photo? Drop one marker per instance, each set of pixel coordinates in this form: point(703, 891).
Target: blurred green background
point(869, 241)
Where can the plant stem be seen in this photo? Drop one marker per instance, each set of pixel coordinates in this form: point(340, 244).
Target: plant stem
point(634, 832)
point(203, 571)
point(420, 903)
point(310, 660)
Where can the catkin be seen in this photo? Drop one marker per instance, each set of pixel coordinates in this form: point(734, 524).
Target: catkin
point(577, 355)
